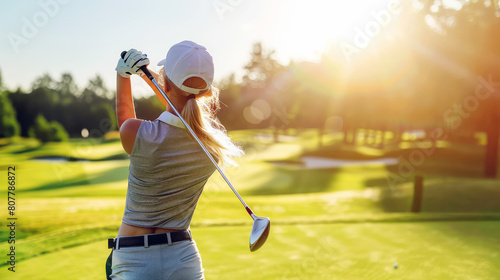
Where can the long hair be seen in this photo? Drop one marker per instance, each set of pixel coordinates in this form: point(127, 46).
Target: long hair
point(200, 114)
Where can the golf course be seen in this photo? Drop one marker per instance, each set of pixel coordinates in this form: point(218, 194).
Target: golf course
point(340, 222)
point(365, 137)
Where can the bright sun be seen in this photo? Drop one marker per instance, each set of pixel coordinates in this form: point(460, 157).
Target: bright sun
point(306, 28)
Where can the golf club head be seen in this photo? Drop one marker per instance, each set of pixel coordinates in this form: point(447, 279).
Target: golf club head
point(260, 231)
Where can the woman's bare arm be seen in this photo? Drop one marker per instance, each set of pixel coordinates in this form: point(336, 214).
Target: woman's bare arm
point(124, 104)
point(125, 111)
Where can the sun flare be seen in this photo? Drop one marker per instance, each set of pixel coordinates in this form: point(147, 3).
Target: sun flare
point(308, 28)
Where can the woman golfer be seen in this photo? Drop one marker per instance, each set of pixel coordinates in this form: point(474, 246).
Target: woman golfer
point(168, 168)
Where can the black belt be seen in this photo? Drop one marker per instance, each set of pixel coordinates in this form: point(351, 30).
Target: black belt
point(149, 239)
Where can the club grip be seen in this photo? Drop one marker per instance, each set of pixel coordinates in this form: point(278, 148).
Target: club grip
point(143, 68)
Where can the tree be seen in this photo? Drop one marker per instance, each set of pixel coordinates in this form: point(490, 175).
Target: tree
point(104, 116)
point(231, 89)
point(47, 131)
point(46, 101)
point(261, 68)
point(45, 81)
point(9, 126)
point(259, 100)
point(95, 91)
point(148, 108)
point(232, 103)
point(66, 88)
point(1, 81)
point(475, 45)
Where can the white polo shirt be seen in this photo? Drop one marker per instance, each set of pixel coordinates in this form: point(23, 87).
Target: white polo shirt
point(167, 173)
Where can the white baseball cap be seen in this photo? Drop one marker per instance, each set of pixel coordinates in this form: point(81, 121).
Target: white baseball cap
point(185, 60)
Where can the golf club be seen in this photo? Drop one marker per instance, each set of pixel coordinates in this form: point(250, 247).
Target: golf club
point(261, 225)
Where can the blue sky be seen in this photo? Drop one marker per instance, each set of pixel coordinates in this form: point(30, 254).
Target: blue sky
point(85, 38)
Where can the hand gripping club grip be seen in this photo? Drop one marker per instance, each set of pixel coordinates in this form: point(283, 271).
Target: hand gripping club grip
point(143, 68)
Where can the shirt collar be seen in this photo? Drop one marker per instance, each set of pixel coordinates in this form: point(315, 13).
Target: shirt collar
point(171, 119)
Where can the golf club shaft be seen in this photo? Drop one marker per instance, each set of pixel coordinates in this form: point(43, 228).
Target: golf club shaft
point(148, 74)
point(199, 142)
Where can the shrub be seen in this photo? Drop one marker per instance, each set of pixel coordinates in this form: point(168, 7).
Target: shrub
point(46, 132)
point(9, 126)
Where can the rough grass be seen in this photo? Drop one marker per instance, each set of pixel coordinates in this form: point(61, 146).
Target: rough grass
point(425, 250)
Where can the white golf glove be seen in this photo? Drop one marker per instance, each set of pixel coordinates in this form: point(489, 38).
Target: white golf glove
point(131, 62)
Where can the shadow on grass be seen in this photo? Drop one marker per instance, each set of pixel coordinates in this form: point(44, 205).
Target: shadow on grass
point(113, 175)
point(119, 156)
point(348, 152)
point(452, 160)
point(381, 181)
point(291, 177)
point(292, 180)
point(446, 195)
point(28, 150)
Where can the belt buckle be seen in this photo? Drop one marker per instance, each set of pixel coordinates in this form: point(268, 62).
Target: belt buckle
point(169, 238)
point(146, 241)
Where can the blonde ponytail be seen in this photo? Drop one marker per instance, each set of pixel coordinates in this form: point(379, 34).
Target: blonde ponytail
point(200, 114)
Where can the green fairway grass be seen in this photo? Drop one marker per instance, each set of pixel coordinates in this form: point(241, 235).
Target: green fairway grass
point(332, 223)
point(425, 250)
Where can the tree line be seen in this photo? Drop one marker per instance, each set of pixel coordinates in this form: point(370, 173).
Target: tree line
point(432, 67)
point(54, 110)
